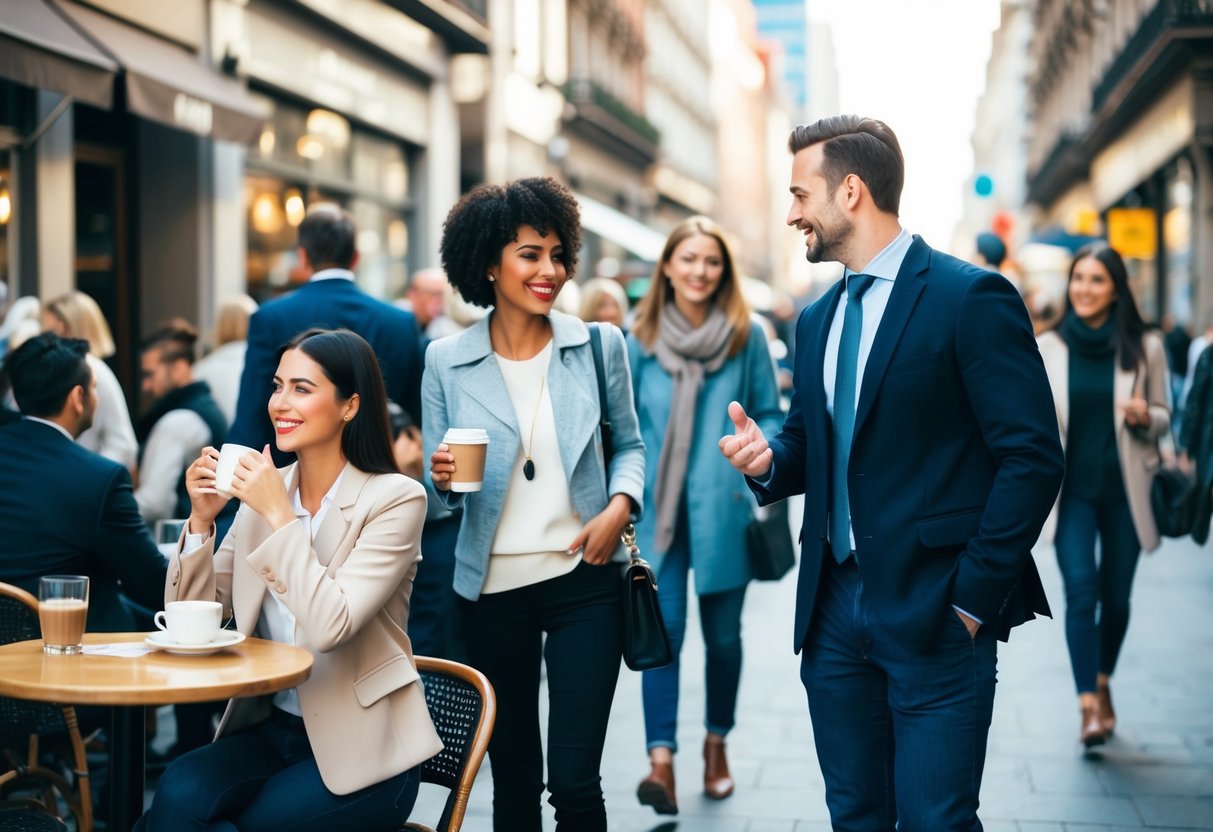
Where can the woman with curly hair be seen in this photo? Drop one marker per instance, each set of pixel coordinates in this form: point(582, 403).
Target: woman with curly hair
point(537, 563)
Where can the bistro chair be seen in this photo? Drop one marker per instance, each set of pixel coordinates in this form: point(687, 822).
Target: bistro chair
point(24, 780)
point(29, 820)
point(463, 707)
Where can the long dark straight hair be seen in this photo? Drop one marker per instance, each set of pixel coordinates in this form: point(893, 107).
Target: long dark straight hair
point(1130, 328)
point(350, 364)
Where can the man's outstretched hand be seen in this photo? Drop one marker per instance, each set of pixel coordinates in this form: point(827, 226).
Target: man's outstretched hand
point(746, 448)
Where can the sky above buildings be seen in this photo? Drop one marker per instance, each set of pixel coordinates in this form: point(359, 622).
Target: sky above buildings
point(919, 66)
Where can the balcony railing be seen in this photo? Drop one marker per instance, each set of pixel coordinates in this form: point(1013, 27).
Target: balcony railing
point(1167, 20)
point(480, 8)
point(612, 122)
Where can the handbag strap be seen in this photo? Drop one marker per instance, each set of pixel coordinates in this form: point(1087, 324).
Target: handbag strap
point(1145, 394)
point(628, 535)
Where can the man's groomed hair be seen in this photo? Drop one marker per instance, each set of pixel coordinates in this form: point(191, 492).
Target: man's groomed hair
point(862, 146)
point(44, 370)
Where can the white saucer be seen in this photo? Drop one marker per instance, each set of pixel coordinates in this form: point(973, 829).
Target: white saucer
point(159, 640)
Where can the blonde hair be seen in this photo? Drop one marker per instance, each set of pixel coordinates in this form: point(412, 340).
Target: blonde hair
point(592, 292)
point(728, 297)
point(231, 321)
point(83, 319)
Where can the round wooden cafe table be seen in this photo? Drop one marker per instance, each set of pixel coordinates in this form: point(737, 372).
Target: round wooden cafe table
point(251, 668)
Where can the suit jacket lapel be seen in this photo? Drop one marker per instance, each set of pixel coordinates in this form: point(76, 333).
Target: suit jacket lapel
point(336, 522)
point(815, 401)
point(575, 413)
point(906, 289)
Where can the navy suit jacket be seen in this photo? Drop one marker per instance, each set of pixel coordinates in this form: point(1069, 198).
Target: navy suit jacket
point(955, 459)
point(65, 510)
point(331, 303)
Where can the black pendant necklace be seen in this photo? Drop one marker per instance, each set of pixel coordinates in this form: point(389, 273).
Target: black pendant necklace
point(528, 467)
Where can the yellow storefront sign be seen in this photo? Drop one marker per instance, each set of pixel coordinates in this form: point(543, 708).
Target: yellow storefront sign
point(1133, 232)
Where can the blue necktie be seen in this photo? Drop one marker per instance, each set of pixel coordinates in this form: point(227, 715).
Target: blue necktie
point(844, 413)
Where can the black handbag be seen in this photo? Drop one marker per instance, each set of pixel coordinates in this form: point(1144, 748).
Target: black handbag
point(1173, 500)
point(768, 537)
point(1173, 495)
point(646, 644)
point(768, 542)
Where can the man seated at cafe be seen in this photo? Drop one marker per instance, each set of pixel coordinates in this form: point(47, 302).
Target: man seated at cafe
point(65, 510)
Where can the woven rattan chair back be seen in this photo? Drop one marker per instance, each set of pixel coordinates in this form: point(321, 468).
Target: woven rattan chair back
point(28, 820)
point(463, 707)
point(23, 724)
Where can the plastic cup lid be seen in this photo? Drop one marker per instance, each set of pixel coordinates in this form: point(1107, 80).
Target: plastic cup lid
point(466, 436)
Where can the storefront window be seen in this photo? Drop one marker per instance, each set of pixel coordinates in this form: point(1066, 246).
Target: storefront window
point(1177, 239)
point(309, 156)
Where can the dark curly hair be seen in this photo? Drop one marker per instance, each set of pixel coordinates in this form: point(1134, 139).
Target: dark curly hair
point(487, 218)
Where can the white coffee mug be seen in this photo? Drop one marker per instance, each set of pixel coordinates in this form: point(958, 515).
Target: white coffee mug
point(225, 468)
point(190, 622)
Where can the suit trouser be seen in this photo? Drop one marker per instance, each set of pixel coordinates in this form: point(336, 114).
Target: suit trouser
point(900, 733)
point(581, 615)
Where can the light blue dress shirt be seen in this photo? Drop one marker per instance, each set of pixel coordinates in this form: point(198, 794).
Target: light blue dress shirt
point(884, 267)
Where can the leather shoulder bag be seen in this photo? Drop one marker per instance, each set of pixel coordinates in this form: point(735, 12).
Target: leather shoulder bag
point(646, 645)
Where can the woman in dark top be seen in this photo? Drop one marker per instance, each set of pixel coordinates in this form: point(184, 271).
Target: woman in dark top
point(1109, 380)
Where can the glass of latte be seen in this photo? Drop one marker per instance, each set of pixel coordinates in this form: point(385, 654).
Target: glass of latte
point(62, 608)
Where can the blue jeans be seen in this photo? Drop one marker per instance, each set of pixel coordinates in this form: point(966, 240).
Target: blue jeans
point(720, 620)
point(265, 779)
point(900, 733)
point(1097, 591)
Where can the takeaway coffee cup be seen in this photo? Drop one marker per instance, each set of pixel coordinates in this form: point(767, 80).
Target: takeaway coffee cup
point(229, 455)
point(62, 609)
point(469, 447)
point(190, 622)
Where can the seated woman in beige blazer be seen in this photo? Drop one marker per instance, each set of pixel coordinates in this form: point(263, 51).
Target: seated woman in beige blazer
point(322, 555)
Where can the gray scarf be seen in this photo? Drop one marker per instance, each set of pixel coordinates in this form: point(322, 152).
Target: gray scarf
point(688, 354)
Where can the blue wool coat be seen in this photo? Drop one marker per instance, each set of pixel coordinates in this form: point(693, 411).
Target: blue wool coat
point(463, 387)
point(718, 501)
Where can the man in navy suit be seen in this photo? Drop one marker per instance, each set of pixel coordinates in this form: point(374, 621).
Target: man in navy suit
point(331, 300)
point(923, 436)
point(65, 510)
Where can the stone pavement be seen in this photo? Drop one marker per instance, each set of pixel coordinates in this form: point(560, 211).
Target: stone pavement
point(1156, 773)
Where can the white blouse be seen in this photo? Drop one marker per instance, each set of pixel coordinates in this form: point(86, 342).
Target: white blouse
point(538, 521)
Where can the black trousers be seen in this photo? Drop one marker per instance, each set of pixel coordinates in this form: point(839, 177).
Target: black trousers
point(581, 615)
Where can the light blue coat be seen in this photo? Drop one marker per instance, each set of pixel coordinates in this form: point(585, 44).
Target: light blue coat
point(463, 387)
point(719, 504)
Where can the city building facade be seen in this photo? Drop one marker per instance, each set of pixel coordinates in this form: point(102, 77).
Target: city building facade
point(1121, 105)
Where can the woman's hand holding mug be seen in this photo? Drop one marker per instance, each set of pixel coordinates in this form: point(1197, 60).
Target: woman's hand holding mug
point(205, 501)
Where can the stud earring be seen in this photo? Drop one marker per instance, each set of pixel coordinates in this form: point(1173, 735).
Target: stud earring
point(491, 278)
point(345, 418)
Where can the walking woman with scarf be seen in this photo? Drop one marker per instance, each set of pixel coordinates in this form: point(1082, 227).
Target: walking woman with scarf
point(1109, 380)
point(693, 349)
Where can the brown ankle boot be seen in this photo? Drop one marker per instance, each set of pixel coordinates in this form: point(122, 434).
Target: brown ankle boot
point(717, 782)
point(1107, 716)
point(657, 790)
point(1092, 732)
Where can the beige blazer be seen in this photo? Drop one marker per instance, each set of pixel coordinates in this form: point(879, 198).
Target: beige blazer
point(363, 706)
point(1137, 451)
